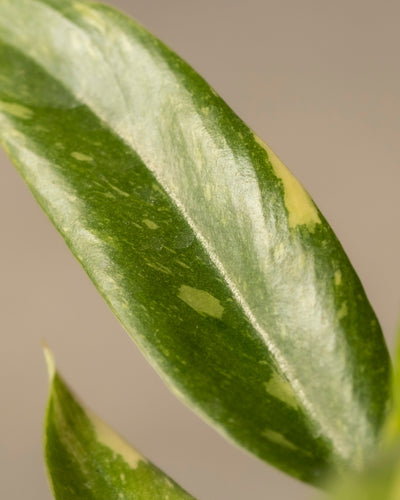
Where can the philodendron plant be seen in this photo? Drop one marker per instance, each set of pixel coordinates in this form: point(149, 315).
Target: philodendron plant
point(210, 253)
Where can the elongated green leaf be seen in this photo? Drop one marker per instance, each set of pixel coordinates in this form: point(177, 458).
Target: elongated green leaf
point(208, 250)
point(87, 460)
point(380, 480)
point(392, 427)
point(395, 414)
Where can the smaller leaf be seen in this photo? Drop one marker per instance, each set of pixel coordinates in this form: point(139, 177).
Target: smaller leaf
point(379, 481)
point(392, 427)
point(87, 460)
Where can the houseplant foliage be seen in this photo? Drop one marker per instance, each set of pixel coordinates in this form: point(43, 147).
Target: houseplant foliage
point(381, 478)
point(207, 249)
point(87, 459)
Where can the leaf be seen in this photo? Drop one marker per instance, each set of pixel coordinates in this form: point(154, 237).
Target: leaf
point(207, 249)
point(379, 481)
point(396, 386)
point(392, 426)
point(87, 460)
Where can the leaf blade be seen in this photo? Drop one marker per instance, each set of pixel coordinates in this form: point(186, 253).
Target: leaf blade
point(392, 425)
point(86, 459)
point(184, 220)
point(380, 480)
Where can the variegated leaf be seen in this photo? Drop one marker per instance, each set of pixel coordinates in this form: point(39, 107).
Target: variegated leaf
point(87, 460)
point(208, 250)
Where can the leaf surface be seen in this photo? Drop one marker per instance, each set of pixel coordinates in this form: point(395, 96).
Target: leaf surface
point(207, 249)
point(392, 426)
point(87, 460)
point(379, 481)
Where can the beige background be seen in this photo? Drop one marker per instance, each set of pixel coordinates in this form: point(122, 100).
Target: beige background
point(319, 81)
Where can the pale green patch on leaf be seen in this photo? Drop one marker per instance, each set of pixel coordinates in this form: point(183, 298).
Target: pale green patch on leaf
point(150, 224)
point(338, 277)
point(16, 110)
point(281, 389)
point(279, 439)
point(201, 301)
point(87, 460)
point(342, 312)
point(81, 157)
point(300, 207)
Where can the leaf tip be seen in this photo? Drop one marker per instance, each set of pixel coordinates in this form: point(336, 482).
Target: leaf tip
point(49, 358)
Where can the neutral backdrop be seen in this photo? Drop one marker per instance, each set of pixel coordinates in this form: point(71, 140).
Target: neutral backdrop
point(319, 81)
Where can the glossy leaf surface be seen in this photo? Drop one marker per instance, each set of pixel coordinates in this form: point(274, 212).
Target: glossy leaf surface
point(208, 250)
point(87, 460)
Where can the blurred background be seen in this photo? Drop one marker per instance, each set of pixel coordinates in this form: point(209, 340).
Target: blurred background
point(319, 82)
